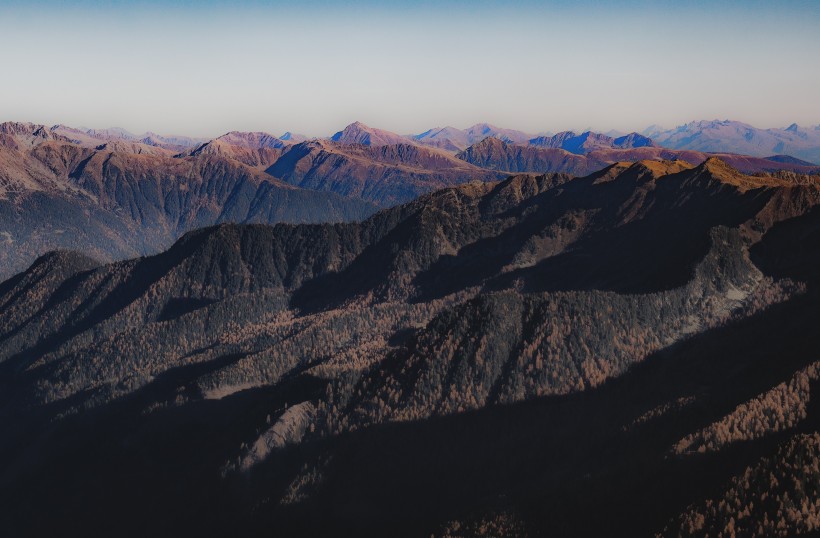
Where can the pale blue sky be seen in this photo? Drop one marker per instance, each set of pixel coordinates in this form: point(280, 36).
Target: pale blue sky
point(203, 68)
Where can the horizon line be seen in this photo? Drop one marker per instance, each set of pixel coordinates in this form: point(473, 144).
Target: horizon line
point(139, 133)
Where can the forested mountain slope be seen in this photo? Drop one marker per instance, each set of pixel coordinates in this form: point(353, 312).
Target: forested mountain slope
point(542, 355)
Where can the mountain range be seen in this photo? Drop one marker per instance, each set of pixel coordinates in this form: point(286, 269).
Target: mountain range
point(708, 136)
point(453, 139)
point(630, 352)
point(119, 199)
point(588, 141)
point(495, 154)
point(114, 195)
point(736, 137)
point(715, 136)
point(95, 136)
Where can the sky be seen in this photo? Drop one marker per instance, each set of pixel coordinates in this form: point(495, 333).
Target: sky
point(208, 67)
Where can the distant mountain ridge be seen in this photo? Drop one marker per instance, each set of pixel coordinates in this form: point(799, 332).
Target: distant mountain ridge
point(588, 141)
point(453, 139)
point(710, 136)
point(736, 137)
point(359, 133)
point(385, 174)
point(293, 138)
point(86, 136)
point(496, 154)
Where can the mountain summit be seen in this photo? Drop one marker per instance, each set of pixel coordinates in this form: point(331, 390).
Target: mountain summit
point(359, 133)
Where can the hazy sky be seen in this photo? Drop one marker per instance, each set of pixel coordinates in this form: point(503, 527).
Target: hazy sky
point(203, 68)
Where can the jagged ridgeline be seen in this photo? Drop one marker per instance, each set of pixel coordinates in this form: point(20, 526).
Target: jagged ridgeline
point(621, 354)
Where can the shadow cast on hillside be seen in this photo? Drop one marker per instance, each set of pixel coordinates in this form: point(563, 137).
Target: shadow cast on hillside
point(565, 464)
